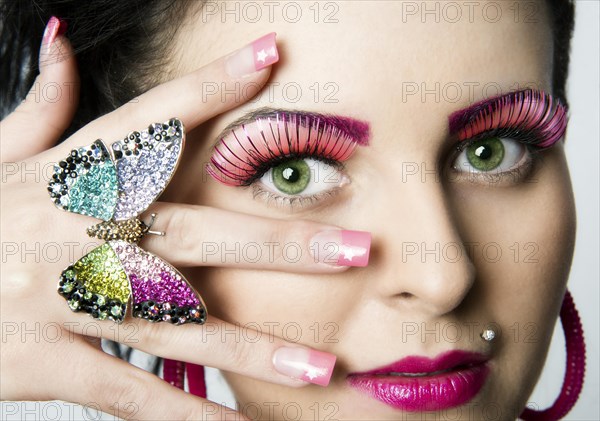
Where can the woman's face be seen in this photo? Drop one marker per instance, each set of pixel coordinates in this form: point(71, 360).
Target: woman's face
point(453, 250)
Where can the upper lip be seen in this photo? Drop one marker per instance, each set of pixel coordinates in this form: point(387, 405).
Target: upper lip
point(415, 364)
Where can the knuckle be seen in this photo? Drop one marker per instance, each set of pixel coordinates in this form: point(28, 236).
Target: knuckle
point(134, 391)
point(159, 338)
point(178, 232)
point(289, 238)
point(199, 82)
point(294, 232)
point(23, 204)
point(240, 352)
point(279, 232)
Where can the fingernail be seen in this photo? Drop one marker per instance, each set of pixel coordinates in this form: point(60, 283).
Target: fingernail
point(54, 28)
point(341, 247)
point(253, 57)
point(304, 364)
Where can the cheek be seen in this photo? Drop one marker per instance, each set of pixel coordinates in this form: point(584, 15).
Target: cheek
point(526, 231)
point(522, 241)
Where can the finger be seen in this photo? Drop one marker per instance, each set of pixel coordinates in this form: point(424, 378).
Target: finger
point(205, 236)
point(194, 98)
point(239, 349)
point(105, 383)
point(38, 122)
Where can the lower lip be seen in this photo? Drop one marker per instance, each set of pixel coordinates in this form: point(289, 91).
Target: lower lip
point(424, 393)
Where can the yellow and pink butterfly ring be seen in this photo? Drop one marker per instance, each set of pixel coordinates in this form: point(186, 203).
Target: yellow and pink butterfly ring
point(116, 185)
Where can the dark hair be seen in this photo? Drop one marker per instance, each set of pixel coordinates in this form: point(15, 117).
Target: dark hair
point(562, 19)
point(118, 60)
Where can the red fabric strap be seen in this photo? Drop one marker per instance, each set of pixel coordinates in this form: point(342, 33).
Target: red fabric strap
point(174, 373)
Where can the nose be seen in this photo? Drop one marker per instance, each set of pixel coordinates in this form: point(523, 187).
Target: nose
point(421, 261)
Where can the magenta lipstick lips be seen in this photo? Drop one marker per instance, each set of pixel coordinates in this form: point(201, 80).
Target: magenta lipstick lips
point(423, 384)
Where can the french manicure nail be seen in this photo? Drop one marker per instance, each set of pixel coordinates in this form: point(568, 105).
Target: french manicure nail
point(253, 57)
point(304, 364)
point(54, 28)
point(48, 52)
point(341, 247)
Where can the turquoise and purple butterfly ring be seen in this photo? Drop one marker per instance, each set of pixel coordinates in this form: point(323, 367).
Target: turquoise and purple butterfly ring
point(117, 185)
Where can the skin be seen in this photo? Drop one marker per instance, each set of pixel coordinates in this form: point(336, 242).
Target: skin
point(365, 306)
point(358, 313)
point(39, 366)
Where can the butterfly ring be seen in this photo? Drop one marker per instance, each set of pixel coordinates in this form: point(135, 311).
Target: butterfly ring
point(116, 185)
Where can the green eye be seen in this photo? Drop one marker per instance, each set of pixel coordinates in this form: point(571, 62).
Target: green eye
point(486, 154)
point(291, 177)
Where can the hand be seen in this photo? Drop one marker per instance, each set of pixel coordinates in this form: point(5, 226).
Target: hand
point(72, 366)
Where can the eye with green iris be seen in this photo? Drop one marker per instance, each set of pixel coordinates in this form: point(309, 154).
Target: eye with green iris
point(291, 177)
point(486, 154)
point(495, 155)
point(304, 178)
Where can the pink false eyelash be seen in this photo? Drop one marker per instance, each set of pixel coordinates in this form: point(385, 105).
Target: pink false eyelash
point(532, 117)
point(249, 150)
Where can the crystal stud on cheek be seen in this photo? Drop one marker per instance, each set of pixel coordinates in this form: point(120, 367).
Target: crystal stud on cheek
point(488, 335)
point(116, 185)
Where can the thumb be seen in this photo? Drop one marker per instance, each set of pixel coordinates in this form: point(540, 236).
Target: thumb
point(37, 123)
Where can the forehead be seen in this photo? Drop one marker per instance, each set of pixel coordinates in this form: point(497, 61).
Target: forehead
point(396, 32)
point(382, 54)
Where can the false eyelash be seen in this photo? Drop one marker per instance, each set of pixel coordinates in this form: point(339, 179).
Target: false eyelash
point(240, 158)
point(532, 117)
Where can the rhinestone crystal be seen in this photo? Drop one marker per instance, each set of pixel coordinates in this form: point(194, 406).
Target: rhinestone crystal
point(89, 186)
point(158, 289)
point(488, 335)
point(144, 171)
